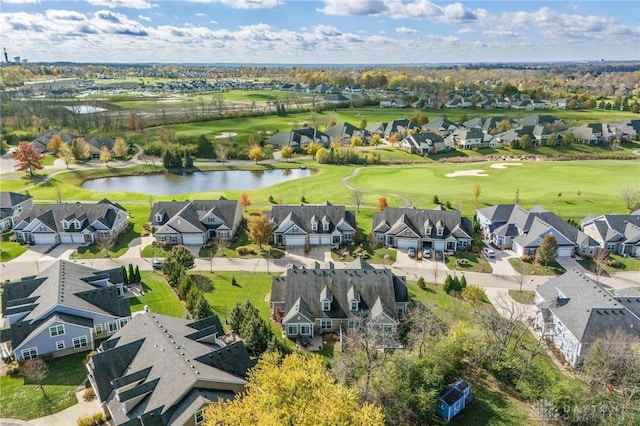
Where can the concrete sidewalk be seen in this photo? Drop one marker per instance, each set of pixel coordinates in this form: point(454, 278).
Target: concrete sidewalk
point(66, 417)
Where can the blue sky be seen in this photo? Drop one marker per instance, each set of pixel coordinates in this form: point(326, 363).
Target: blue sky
point(319, 32)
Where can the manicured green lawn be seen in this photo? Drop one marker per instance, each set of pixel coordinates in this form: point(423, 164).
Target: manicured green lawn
point(10, 250)
point(155, 251)
point(158, 295)
point(526, 268)
point(467, 261)
point(95, 251)
point(48, 160)
point(26, 401)
point(525, 296)
point(625, 264)
point(252, 286)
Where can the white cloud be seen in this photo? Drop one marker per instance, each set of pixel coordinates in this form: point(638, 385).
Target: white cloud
point(200, 14)
point(405, 30)
point(20, 1)
point(144, 18)
point(244, 4)
point(353, 7)
point(398, 9)
point(213, 22)
point(112, 4)
point(466, 30)
point(501, 33)
point(444, 40)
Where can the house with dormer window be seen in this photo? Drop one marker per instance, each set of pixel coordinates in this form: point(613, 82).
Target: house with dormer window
point(616, 233)
point(12, 205)
point(420, 228)
point(161, 370)
point(78, 223)
point(312, 224)
point(195, 222)
point(62, 310)
point(315, 301)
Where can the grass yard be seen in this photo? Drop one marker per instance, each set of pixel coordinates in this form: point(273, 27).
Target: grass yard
point(9, 249)
point(526, 296)
point(624, 264)
point(96, 251)
point(525, 268)
point(25, 401)
point(158, 295)
point(467, 261)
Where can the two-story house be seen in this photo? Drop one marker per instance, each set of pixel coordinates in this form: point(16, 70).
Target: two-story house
point(420, 228)
point(62, 310)
point(312, 225)
point(161, 370)
point(423, 143)
point(195, 222)
point(315, 301)
point(70, 223)
point(616, 233)
point(12, 205)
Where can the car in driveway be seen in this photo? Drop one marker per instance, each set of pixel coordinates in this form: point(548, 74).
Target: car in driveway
point(489, 252)
point(411, 252)
point(157, 263)
point(439, 255)
point(426, 253)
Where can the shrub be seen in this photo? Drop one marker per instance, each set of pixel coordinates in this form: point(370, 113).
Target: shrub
point(272, 200)
point(89, 355)
point(613, 263)
point(95, 419)
point(526, 258)
point(242, 251)
point(88, 394)
point(422, 285)
point(203, 283)
point(13, 368)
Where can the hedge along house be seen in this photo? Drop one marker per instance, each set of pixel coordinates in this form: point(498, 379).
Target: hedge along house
point(315, 301)
point(62, 310)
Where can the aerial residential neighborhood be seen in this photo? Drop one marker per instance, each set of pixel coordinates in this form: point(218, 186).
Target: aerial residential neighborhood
point(376, 213)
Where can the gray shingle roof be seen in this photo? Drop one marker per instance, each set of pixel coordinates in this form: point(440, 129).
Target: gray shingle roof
point(301, 215)
point(189, 216)
point(53, 214)
point(415, 219)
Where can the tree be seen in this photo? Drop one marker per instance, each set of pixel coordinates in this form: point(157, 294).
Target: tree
point(476, 191)
point(525, 141)
point(422, 324)
point(630, 198)
point(54, 143)
point(125, 278)
point(80, 149)
point(356, 141)
point(552, 140)
point(381, 204)
point(599, 262)
point(245, 201)
point(65, 153)
point(503, 126)
point(105, 155)
point(120, 148)
point(313, 147)
point(256, 153)
point(222, 153)
point(269, 398)
point(132, 274)
point(376, 139)
point(435, 199)
point(286, 152)
point(261, 230)
point(569, 138)
point(27, 158)
point(357, 198)
point(35, 370)
point(548, 250)
point(322, 155)
point(474, 295)
point(202, 309)
point(182, 256)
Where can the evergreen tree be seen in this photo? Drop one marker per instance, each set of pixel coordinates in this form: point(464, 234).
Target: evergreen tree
point(188, 160)
point(202, 309)
point(185, 286)
point(138, 276)
point(167, 160)
point(132, 274)
point(192, 298)
point(463, 283)
point(256, 335)
point(125, 278)
point(447, 286)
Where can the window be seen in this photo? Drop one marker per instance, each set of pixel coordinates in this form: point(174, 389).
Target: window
point(77, 225)
point(325, 324)
point(292, 330)
point(123, 322)
point(349, 237)
point(314, 226)
point(407, 233)
point(29, 353)
point(211, 219)
point(326, 305)
point(59, 345)
point(56, 330)
point(43, 228)
point(305, 330)
point(354, 306)
point(65, 225)
point(98, 328)
point(199, 416)
point(462, 244)
point(79, 342)
point(429, 228)
point(440, 232)
point(353, 323)
point(158, 218)
point(325, 226)
point(113, 326)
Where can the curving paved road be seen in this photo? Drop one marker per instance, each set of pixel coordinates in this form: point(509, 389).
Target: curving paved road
point(345, 182)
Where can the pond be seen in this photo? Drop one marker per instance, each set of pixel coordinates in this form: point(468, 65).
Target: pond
point(220, 180)
point(84, 109)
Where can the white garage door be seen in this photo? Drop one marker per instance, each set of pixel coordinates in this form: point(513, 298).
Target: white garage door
point(404, 243)
point(194, 240)
point(314, 240)
point(565, 251)
point(44, 238)
point(78, 238)
point(66, 238)
point(325, 239)
point(294, 240)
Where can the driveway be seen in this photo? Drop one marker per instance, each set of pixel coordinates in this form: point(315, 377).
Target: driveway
point(500, 263)
point(571, 263)
point(61, 252)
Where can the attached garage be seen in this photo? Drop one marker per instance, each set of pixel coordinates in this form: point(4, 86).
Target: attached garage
point(66, 238)
point(316, 240)
point(44, 238)
point(295, 240)
point(192, 239)
point(78, 238)
point(405, 243)
point(565, 251)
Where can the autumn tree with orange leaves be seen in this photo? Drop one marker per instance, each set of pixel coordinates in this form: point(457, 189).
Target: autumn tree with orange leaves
point(27, 158)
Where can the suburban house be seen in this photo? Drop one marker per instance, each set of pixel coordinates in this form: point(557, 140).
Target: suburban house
point(311, 302)
point(510, 226)
point(420, 228)
point(161, 370)
point(401, 127)
point(441, 126)
point(299, 138)
point(62, 310)
point(195, 222)
point(616, 233)
point(394, 103)
point(423, 143)
point(312, 225)
point(573, 311)
point(70, 223)
point(454, 399)
point(40, 143)
point(344, 131)
point(12, 205)
point(465, 138)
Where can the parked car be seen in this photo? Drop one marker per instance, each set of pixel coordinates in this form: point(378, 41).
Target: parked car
point(439, 255)
point(426, 253)
point(158, 263)
point(489, 252)
point(411, 252)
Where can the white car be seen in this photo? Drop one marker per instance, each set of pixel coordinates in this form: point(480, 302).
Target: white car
point(158, 263)
point(489, 253)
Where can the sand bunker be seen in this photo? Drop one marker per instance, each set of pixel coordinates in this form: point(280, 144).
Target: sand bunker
point(467, 173)
point(504, 165)
point(226, 135)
